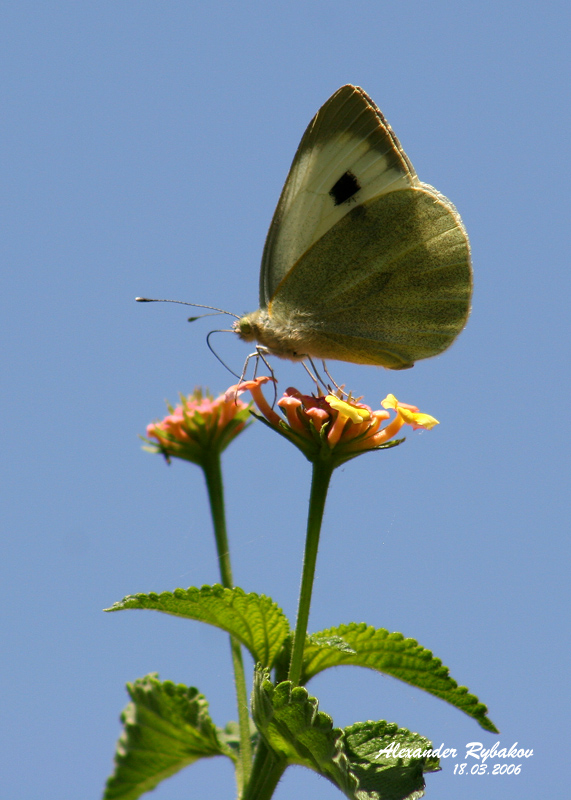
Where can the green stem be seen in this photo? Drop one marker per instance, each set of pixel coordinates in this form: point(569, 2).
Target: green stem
point(213, 475)
point(266, 773)
point(319, 484)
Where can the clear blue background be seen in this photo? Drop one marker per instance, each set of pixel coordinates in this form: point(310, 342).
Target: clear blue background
point(144, 146)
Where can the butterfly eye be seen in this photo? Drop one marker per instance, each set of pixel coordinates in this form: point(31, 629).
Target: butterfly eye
point(346, 187)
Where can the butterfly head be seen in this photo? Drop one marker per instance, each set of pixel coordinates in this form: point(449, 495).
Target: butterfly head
point(285, 338)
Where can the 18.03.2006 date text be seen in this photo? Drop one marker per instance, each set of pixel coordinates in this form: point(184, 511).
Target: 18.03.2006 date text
point(487, 769)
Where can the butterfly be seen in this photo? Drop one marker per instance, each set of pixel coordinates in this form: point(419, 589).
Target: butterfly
point(363, 262)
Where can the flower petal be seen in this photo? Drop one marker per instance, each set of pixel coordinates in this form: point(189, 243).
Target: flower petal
point(354, 413)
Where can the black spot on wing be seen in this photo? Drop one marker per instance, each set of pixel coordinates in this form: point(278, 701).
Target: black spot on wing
point(346, 187)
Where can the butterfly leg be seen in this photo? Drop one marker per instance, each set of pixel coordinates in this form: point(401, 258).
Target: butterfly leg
point(260, 353)
point(318, 380)
point(339, 388)
point(315, 376)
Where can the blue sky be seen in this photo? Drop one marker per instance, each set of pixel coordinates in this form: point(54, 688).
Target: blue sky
point(144, 146)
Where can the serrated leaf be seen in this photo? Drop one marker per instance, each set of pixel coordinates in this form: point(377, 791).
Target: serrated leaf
point(166, 727)
point(229, 736)
point(297, 732)
point(352, 759)
point(382, 776)
point(335, 642)
point(393, 655)
point(254, 619)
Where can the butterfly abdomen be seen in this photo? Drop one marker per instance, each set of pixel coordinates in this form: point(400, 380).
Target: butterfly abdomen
point(298, 337)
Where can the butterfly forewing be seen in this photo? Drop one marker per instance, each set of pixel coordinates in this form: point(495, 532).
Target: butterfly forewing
point(348, 155)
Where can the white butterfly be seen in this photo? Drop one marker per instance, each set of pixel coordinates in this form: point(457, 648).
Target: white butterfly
point(363, 262)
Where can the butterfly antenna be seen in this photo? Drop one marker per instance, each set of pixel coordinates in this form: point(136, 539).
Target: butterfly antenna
point(201, 316)
point(183, 303)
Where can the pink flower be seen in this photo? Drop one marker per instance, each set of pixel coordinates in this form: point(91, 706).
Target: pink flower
point(199, 427)
point(328, 426)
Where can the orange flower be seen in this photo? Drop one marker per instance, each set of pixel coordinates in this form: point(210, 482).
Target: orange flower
point(330, 427)
point(198, 427)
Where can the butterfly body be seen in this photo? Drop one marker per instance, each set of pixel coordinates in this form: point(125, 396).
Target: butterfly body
point(363, 262)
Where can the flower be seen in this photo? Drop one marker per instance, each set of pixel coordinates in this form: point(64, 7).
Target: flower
point(409, 415)
point(199, 427)
point(330, 427)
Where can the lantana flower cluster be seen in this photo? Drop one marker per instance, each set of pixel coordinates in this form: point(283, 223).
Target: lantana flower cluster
point(199, 427)
point(327, 426)
point(321, 426)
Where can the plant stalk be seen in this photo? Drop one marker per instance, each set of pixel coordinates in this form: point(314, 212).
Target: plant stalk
point(322, 470)
point(266, 773)
point(213, 475)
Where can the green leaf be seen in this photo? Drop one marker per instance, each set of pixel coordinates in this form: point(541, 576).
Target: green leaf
point(352, 759)
point(394, 655)
point(166, 728)
point(230, 738)
point(396, 773)
point(254, 619)
point(297, 732)
point(334, 642)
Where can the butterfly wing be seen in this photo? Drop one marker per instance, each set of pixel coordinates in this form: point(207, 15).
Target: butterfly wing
point(348, 154)
point(388, 284)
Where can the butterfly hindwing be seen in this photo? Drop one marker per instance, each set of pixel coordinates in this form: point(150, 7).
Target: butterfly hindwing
point(389, 299)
